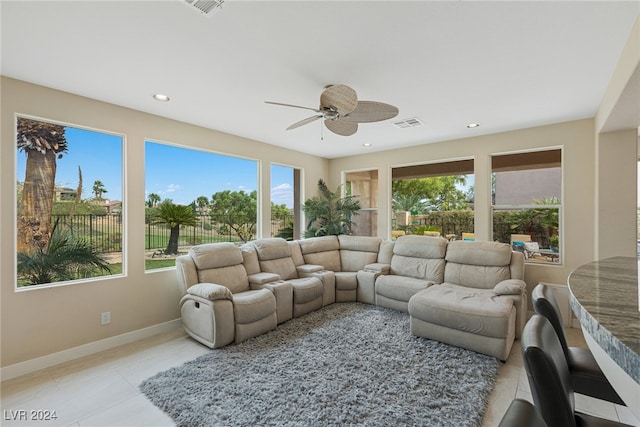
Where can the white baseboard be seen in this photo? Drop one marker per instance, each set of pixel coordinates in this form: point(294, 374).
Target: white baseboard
point(26, 367)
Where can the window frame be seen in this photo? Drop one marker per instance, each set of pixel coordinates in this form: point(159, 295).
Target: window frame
point(258, 183)
point(374, 211)
point(123, 212)
point(560, 256)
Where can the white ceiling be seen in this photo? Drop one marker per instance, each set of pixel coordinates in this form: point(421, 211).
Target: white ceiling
point(505, 65)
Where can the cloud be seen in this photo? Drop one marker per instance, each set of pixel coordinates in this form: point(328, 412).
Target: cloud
point(171, 188)
point(282, 194)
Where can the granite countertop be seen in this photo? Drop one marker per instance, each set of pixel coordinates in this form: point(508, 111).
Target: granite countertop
point(604, 298)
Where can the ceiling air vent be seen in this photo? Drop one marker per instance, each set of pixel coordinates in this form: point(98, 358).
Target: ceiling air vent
point(206, 7)
point(408, 123)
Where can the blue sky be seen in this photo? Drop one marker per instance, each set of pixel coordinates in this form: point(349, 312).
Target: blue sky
point(175, 173)
point(99, 155)
point(182, 174)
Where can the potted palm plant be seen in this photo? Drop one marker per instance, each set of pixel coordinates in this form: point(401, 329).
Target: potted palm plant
point(329, 213)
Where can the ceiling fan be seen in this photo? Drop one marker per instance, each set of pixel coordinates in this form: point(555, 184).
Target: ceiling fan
point(341, 110)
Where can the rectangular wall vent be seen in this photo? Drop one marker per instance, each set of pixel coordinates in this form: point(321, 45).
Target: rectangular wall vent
point(206, 7)
point(408, 123)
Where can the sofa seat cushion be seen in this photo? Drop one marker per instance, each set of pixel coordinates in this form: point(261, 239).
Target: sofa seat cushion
point(346, 281)
point(306, 289)
point(400, 288)
point(251, 306)
point(476, 311)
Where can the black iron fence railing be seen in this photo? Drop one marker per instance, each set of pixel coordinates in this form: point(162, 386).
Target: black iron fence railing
point(104, 232)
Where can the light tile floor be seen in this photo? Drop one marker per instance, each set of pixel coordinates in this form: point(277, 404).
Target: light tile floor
point(102, 389)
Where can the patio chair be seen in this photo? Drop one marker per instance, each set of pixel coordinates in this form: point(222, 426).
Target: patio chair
point(522, 243)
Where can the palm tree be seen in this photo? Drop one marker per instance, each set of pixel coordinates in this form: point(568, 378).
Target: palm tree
point(98, 189)
point(153, 200)
point(175, 216)
point(409, 203)
point(328, 213)
point(43, 143)
point(64, 258)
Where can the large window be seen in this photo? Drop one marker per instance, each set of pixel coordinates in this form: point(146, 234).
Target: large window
point(195, 197)
point(364, 185)
point(434, 199)
point(527, 203)
point(285, 202)
point(69, 203)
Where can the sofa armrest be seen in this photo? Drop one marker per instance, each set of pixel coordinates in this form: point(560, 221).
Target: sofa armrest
point(210, 291)
point(510, 287)
point(263, 278)
point(283, 291)
point(309, 268)
point(378, 267)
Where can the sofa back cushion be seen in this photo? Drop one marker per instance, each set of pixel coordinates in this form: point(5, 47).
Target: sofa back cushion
point(477, 264)
point(275, 257)
point(322, 251)
point(358, 251)
point(250, 259)
point(421, 257)
point(220, 263)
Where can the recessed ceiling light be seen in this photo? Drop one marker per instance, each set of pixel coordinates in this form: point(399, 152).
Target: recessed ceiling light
point(473, 125)
point(366, 144)
point(160, 97)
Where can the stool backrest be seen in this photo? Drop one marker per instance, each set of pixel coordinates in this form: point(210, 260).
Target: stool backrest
point(548, 372)
point(544, 303)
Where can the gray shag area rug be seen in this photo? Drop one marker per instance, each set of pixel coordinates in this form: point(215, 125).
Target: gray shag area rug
point(346, 364)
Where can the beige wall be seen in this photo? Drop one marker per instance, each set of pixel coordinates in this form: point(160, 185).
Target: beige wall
point(577, 142)
point(616, 126)
point(44, 321)
point(616, 202)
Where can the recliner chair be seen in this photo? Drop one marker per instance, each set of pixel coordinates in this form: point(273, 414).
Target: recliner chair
point(219, 306)
point(274, 255)
point(549, 379)
point(586, 376)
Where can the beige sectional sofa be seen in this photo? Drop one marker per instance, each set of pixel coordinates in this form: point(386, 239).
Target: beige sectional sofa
point(469, 294)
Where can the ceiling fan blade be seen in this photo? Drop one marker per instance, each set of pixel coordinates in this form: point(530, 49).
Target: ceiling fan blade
point(291, 105)
point(304, 122)
point(341, 127)
point(341, 97)
point(370, 111)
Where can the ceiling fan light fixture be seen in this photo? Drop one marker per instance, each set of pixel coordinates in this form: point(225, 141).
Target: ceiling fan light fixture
point(341, 110)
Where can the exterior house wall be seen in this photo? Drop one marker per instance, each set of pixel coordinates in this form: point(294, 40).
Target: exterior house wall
point(519, 187)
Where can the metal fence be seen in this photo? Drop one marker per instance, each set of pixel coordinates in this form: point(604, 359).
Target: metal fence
point(104, 232)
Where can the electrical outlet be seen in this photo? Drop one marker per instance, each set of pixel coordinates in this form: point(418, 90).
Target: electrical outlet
point(105, 318)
